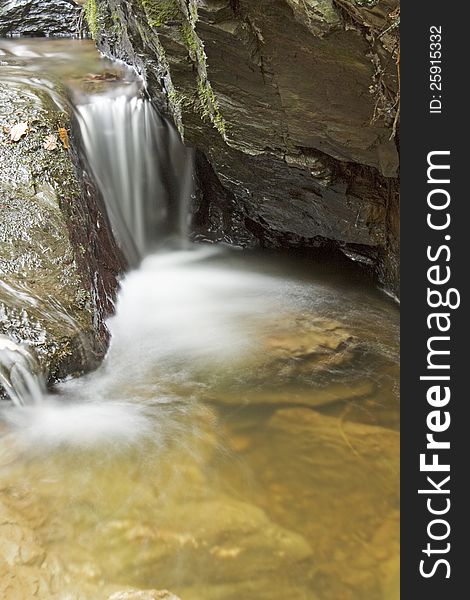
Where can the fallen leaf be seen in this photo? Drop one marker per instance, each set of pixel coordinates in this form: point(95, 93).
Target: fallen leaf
point(18, 131)
point(64, 137)
point(50, 142)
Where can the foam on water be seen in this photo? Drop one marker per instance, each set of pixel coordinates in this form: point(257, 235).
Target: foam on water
point(185, 321)
point(54, 423)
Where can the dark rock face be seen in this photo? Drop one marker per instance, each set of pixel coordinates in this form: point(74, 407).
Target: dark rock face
point(39, 17)
point(292, 105)
point(58, 260)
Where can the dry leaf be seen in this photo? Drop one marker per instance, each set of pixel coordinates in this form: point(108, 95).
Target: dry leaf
point(18, 131)
point(64, 137)
point(50, 142)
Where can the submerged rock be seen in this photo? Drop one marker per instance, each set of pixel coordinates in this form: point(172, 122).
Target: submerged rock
point(349, 474)
point(259, 589)
point(312, 397)
point(40, 17)
point(21, 559)
point(143, 595)
point(301, 362)
point(58, 260)
point(285, 102)
point(28, 572)
point(207, 541)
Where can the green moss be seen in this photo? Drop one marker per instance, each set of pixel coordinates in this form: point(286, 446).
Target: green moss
point(91, 16)
point(210, 107)
point(192, 42)
point(117, 24)
point(160, 11)
point(99, 18)
point(193, 13)
point(176, 98)
point(189, 37)
point(219, 124)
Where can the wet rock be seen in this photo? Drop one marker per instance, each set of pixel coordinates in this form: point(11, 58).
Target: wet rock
point(300, 337)
point(58, 260)
point(301, 361)
point(27, 572)
point(23, 583)
point(18, 544)
point(303, 346)
point(39, 17)
point(280, 99)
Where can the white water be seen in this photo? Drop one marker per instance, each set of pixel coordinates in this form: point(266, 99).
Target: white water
point(141, 166)
point(19, 373)
point(187, 324)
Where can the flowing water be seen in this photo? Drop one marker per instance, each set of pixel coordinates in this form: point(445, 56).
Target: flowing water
point(240, 440)
point(19, 373)
point(141, 165)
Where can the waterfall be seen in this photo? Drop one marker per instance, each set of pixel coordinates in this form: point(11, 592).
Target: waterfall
point(145, 175)
point(141, 167)
point(19, 373)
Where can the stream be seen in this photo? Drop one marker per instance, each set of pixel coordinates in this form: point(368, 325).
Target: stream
point(240, 441)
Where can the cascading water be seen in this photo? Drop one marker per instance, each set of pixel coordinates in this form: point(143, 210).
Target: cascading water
point(20, 374)
point(141, 166)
